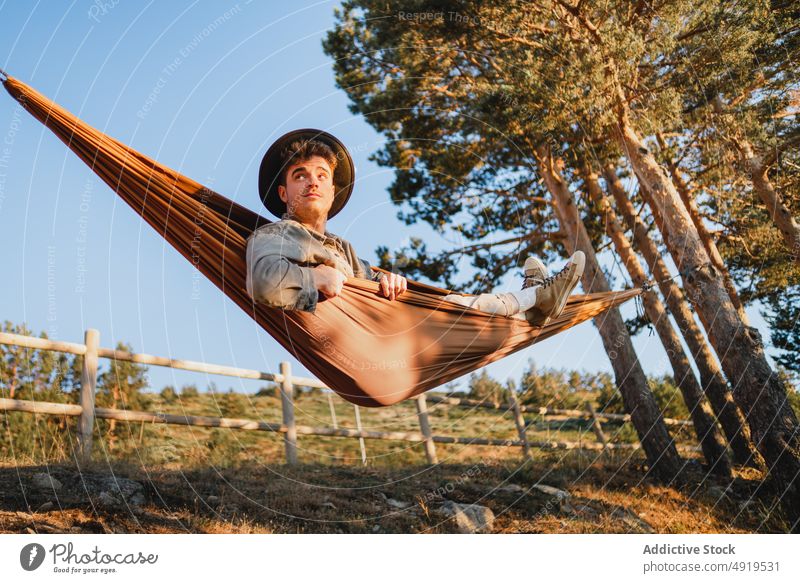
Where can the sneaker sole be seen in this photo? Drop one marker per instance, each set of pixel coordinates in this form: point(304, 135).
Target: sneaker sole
point(578, 259)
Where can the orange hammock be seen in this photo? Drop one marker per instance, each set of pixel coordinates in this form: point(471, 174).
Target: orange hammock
point(372, 352)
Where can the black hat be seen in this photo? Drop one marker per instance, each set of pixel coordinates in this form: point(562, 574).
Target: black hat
point(270, 172)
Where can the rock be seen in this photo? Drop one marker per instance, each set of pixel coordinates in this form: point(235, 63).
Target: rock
point(45, 507)
point(330, 505)
point(376, 528)
point(115, 492)
point(585, 511)
point(212, 499)
point(400, 505)
point(632, 521)
point(511, 489)
point(106, 499)
point(469, 518)
point(556, 499)
point(44, 481)
point(550, 491)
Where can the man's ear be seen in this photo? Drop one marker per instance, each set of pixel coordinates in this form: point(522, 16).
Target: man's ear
point(282, 193)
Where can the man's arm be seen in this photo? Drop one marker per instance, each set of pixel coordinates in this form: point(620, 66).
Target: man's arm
point(274, 277)
point(278, 283)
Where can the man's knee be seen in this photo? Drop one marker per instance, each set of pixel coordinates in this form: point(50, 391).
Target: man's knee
point(500, 304)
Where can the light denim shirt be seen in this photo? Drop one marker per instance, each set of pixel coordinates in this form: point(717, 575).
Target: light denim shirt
point(281, 255)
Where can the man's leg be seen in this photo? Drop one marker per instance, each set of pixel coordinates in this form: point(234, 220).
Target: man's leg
point(551, 293)
point(503, 304)
point(507, 304)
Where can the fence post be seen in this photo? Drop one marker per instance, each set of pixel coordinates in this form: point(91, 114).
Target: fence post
point(88, 387)
point(596, 426)
point(519, 421)
point(425, 427)
point(361, 443)
point(287, 411)
point(333, 411)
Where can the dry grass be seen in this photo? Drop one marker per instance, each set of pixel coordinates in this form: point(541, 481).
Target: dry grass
point(226, 481)
point(609, 496)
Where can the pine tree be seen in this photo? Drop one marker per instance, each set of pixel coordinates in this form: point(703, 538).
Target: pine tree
point(484, 388)
point(120, 387)
point(467, 129)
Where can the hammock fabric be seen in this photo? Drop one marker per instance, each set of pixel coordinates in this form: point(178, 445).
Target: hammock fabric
point(372, 352)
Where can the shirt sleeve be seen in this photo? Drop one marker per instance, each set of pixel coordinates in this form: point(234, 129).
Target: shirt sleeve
point(372, 274)
point(276, 281)
point(361, 267)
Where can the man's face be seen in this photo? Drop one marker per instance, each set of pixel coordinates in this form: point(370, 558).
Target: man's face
point(309, 189)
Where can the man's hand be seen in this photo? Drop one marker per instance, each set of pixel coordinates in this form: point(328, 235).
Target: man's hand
point(329, 281)
point(392, 285)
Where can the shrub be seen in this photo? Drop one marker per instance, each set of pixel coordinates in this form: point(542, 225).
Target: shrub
point(189, 391)
point(551, 388)
point(483, 387)
point(267, 391)
point(168, 394)
point(669, 397)
point(231, 404)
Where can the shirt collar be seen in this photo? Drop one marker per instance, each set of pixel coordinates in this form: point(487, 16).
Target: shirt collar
point(328, 234)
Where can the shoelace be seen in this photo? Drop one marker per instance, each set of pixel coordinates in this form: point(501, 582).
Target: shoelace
point(531, 281)
point(548, 281)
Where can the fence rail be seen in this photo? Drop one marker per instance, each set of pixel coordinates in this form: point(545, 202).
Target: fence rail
point(87, 412)
point(548, 411)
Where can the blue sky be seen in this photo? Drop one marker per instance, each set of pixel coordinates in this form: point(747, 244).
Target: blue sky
point(204, 88)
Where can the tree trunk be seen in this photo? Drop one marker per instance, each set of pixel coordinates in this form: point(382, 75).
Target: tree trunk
point(705, 236)
point(112, 424)
point(662, 455)
point(711, 377)
point(700, 411)
point(12, 387)
point(756, 388)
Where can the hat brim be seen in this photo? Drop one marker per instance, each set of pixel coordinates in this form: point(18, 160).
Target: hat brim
point(270, 172)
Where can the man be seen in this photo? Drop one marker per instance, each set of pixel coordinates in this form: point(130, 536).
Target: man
point(306, 177)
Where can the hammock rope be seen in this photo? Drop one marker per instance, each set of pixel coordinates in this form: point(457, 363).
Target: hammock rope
point(372, 352)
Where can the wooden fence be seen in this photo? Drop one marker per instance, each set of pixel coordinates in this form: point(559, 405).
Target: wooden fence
point(87, 412)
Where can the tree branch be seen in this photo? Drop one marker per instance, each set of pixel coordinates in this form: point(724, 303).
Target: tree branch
point(534, 237)
point(770, 158)
point(585, 22)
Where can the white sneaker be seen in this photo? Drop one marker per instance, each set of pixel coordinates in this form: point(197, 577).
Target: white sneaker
point(553, 291)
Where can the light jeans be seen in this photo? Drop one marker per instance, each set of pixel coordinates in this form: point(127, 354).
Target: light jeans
point(502, 304)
